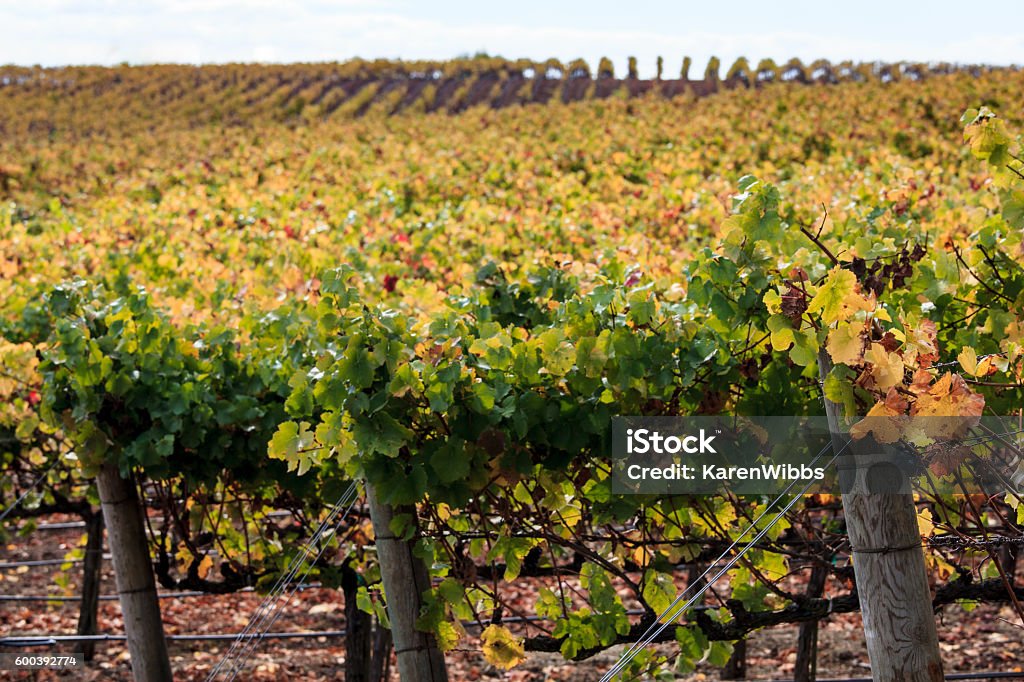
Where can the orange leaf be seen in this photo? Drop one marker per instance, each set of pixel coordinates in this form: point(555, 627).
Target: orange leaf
point(950, 407)
point(885, 421)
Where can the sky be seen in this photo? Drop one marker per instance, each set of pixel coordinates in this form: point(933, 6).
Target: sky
point(60, 32)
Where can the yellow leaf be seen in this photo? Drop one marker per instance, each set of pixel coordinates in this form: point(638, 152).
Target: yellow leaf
point(941, 567)
point(885, 421)
point(839, 297)
point(183, 556)
point(501, 648)
point(986, 366)
point(846, 343)
point(887, 368)
point(204, 567)
point(968, 359)
point(640, 556)
point(922, 344)
point(448, 634)
point(949, 397)
point(925, 524)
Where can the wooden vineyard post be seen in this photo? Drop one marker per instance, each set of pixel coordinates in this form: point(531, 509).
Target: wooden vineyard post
point(136, 587)
point(892, 582)
point(358, 630)
point(91, 571)
point(405, 580)
point(806, 669)
point(736, 667)
point(380, 662)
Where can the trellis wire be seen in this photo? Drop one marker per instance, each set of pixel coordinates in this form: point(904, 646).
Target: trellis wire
point(247, 641)
point(276, 613)
point(29, 489)
point(159, 595)
point(657, 627)
point(993, 675)
point(50, 640)
point(45, 640)
point(69, 525)
point(35, 563)
point(937, 365)
point(270, 601)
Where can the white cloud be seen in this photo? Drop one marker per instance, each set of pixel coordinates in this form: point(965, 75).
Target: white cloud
point(110, 31)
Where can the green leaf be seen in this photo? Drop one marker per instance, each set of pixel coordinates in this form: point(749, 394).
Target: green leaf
point(556, 351)
point(593, 353)
point(719, 653)
point(381, 433)
point(406, 489)
point(756, 211)
point(805, 349)
point(1013, 209)
point(513, 550)
point(371, 606)
point(26, 428)
point(659, 590)
point(404, 380)
point(484, 395)
point(451, 461)
point(839, 388)
point(986, 135)
point(452, 590)
point(300, 401)
point(292, 442)
point(333, 432)
point(641, 308)
point(781, 332)
point(692, 644)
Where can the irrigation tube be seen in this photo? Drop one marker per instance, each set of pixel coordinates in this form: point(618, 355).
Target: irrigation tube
point(32, 563)
point(657, 627)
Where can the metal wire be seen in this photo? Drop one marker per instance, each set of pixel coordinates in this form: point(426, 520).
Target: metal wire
point(29, 489)
point(114, 597)
point(49, 640)
point(253, 643)
point(658, 627)
point(247, 641)
point(235, 650)
point(69, 525)
point(9, 565)
point(952, 676)
point(44, 640)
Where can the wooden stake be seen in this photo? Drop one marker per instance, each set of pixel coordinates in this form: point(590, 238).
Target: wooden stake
point(91, 572)
point(892, 582)
point(134, 573)
point(806, 669)
point(405, 580)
